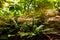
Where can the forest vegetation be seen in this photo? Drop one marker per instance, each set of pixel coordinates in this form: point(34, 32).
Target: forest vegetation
point(30, 19)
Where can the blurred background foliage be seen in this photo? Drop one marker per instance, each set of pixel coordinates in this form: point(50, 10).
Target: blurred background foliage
point(25, 6)
point(10, 10)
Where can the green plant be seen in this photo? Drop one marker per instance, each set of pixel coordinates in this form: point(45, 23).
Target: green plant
point(30, 31)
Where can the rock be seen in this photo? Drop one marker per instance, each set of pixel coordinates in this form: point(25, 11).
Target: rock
point(54, 22)
point(54, 19)
point(22, 20)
